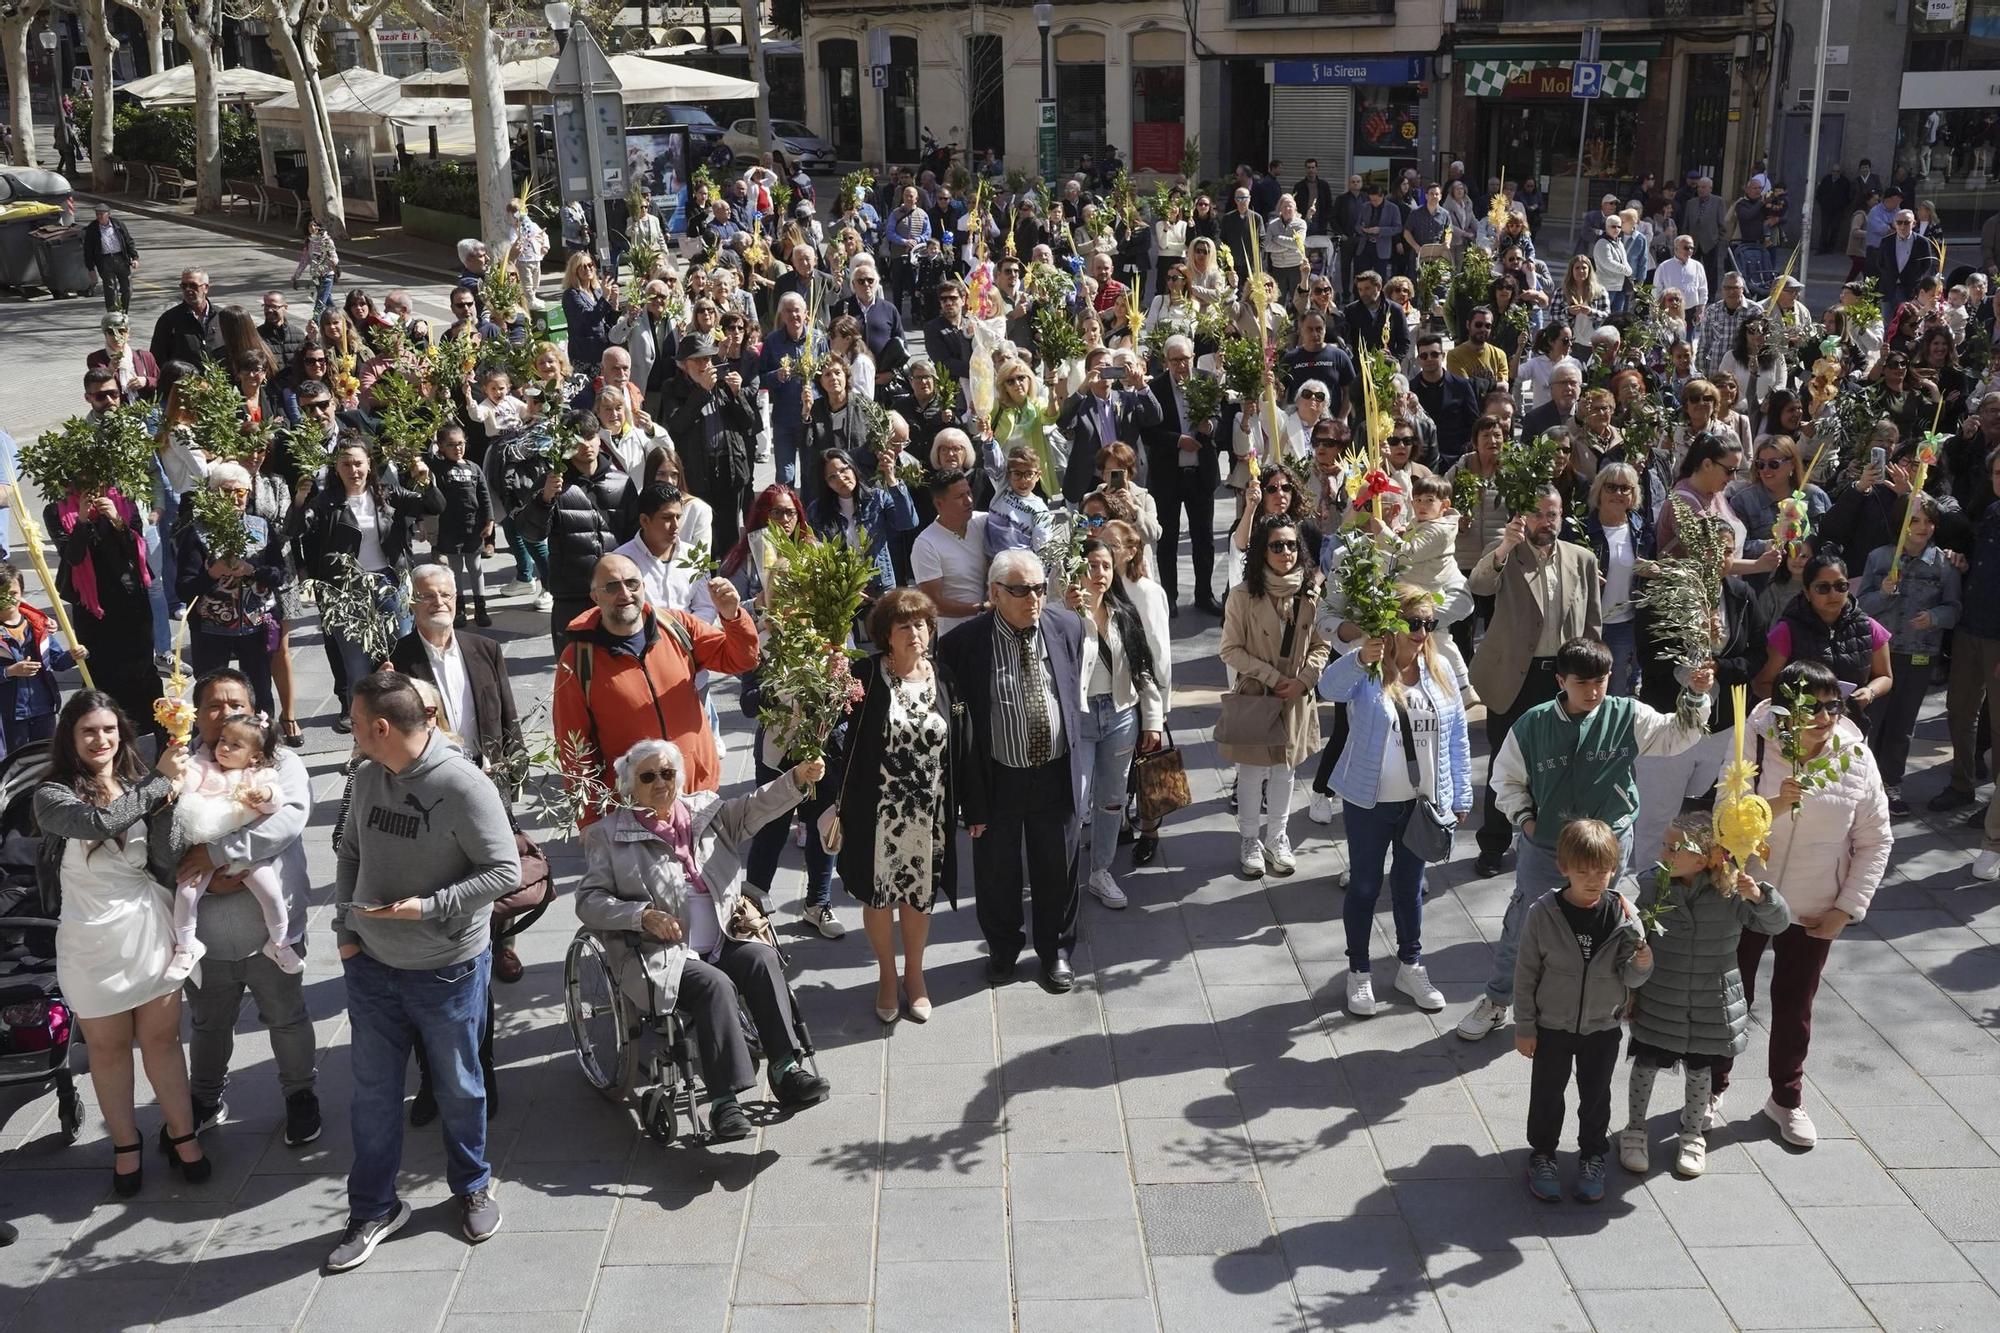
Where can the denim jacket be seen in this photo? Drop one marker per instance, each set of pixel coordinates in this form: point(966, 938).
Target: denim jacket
point(1371, 717)
point(1928, 582)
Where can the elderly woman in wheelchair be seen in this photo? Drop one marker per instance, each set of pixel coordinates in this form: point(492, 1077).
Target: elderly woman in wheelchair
point(662, 886)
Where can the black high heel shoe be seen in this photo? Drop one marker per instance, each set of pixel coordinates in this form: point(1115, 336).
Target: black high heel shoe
point(192, 1172)
point(125, 1184)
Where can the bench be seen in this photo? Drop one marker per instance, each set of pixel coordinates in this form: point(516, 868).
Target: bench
point(280, 200)
point(170, 180)
point(250, 194)
point(138, 174)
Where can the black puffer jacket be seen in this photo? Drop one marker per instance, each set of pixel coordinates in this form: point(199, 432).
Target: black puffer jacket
point(467, 505)
point(590, 516)
point(326, 526)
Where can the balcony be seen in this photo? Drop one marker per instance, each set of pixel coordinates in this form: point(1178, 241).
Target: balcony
point(1357, 11)
point(1492, 13)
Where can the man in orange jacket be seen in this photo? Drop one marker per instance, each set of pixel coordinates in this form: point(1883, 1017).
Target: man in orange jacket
point(627, 674)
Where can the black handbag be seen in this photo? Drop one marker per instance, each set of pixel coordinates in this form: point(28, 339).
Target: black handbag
point(1427, 830)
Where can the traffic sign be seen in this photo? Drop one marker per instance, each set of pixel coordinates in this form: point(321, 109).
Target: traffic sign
point(1586, 79)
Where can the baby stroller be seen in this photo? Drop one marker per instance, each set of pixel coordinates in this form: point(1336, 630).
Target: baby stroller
point(35, 1025)
point(645, 1057)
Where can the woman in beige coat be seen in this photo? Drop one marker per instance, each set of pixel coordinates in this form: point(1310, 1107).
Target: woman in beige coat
point(1268, 641)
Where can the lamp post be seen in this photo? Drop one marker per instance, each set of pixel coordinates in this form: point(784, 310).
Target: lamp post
point(558, 15)
point(1045, 140)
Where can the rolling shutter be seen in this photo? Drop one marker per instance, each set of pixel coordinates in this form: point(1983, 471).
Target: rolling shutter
point(1313, 122)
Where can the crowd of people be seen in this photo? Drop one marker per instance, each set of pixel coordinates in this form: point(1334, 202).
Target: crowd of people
point(1021, 404)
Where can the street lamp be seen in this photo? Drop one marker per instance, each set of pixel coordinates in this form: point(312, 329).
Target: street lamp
point(1045, 132)
point(47, 38)
point(558, 16)
point(1044, 16)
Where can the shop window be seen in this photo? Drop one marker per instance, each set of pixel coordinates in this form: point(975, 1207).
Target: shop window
point(1159, 100)
point(1079, 89)
point(840, 88)
point(986, 93)
point(902, 140)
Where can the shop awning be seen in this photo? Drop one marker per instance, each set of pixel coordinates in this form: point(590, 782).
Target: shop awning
point(1536, 52)
point(1492, 78)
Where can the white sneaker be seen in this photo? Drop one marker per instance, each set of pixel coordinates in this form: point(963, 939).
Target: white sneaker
point(1714, 1119)
point(1986, 866)
point(825, 922)
point(544, 602)
point(1413, 981)
point(1360, 994)
point(1278, 857)
point(1321, 809)
point(285, 957)
point(1632, 1152)
point(1107, 890)
point(1691, 1159)
point(1484, 1017)
point(518, 588)
point(1250, 859)
point(1794, 1125)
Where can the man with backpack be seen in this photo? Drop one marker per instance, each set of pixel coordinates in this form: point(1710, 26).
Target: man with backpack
point(628, 674)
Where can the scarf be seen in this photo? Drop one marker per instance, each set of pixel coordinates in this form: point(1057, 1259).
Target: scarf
point(677, 832)
point(83, 574)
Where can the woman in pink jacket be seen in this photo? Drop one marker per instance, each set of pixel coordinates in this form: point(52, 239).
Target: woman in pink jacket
point(1829, 847)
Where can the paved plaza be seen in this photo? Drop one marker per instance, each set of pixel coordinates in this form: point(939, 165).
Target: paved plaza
point(1199, 1138)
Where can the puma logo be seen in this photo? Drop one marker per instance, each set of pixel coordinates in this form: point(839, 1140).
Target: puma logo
point(422, 809)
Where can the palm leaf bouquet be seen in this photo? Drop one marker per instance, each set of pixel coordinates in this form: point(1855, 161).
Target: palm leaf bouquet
point(816, 590)
point(1686, 590)
point(220, 524)
point(91, 457)
point(1434, 278)
point(222, 426)
point(1367, 587)
point(1791, 716)
point(353, 605)
point(1204, 394)
point(1524, 469)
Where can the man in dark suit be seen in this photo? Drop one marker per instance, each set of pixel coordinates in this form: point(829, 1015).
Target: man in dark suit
point(1565, 387)
point(1019, 668)
point(1314, 196)
point(108, 252)
point(1098, 414)
point(1903, 260)
point(467, 669)
point(1182, 473)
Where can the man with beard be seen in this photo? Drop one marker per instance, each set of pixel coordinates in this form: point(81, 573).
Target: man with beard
point(715, 432)
point(1317, 359)
point(190, 331)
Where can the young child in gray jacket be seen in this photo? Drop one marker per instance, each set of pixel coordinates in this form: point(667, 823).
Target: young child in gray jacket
point(1693, 1013)
point(1582, 950)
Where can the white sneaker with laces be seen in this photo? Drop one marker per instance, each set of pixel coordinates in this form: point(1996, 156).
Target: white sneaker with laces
point(545, 601)
point(1360, 994)
point(825, 922)
point(1321, 809)
point(1483, 1018)
point(1413, 981)
point(1278, 858)
point(1986, 866)
point(1250, 859)
point(1794, 1125)
point(518, 588)
point(1107, 890)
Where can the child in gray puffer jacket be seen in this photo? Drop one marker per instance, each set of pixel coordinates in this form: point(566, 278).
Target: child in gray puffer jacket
point(1692, 1012)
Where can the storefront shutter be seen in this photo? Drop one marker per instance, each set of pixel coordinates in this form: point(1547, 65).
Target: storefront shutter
point(1313, 122)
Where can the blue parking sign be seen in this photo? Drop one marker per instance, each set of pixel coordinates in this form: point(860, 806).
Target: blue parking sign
point(1586, 79)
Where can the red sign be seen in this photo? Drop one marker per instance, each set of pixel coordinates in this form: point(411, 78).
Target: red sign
point(1541, 81)
point(1157, 144)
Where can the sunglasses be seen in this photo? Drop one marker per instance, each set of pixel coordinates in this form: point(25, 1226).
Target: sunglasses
point(1771, 464)
point(324, 404)
point(1618, 488)
point(1282, 546)
point(1834, 585)
point(1312, 393)
point(649, 776)
point(1823, 708)
point(613, 585)
point(1405, 440)
point(1025, 590)
point(1417, 629)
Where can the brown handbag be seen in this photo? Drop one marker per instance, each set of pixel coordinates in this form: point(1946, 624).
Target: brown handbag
point(1159, 782)
point(1252, 715)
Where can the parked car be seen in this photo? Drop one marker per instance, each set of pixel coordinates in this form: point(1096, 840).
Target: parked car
point(704, 134)
point(797, 142)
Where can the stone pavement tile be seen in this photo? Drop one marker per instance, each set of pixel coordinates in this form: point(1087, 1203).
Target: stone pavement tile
point(1196, 1044)
point(1303, 1178)
point(1436, 1147)
point(1069, 1186)
point(1065, 1120)
point(1398, 1027)
point(1885, 1244)
point(557, 1196)
point(260, 1287)
point(1083, 1062)
point(798, 1319)
point(564, 1264)
point(960, 1031)
point(1920, 1136)
point(933, 1294)
point(1238, 1291)
point(604, 1134)
point(1310, 1066)
point(1962, 1203)
point(1393, 1084)
point(1189, 1148)
point(1975, 1097)
point(68, 1305)
point(1204, 1218)
point(693, 1228)
point(271, 1211)
point(796, 1191)
point(1604, 1249)
point(941, 1156)
point(1933, 1307)
point(1726, 1210)
point(1779, 1286)
point(1063, 1259)
point(139, 1240)
point(1664, 1310)
point(810, 1265)
point(1478, 1215)
point(633, 1300)
point(1853, 1067)
point(51, 1200)
point(958, 1223)
point(1924, 1026)
point(1117, 1316)
point(1522, 1292)
point(542, 1322)
point(1353, 1257)
point(1838, 1173)
point(923, 1094)
point(1984, 1256)
point(368, 1301)
point(1150, 1090)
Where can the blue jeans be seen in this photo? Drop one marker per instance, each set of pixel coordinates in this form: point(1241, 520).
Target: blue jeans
point(1535, 874)
point(1107, 735)
point(767, 845)
point(353, 656)
point(1621, 300)
point(1373, 837)
point(159, 559)
point(1622, 639)
point(322, 295)
point(785, 449)
point(389, 1010)
point(531, 559)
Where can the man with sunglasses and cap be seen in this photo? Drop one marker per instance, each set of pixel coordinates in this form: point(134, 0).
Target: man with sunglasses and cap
point(108, 251)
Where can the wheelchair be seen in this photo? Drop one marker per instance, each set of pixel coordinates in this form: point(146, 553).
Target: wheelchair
point(644, 1057)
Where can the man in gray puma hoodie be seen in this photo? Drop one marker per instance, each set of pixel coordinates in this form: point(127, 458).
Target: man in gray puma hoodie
point(425, 851)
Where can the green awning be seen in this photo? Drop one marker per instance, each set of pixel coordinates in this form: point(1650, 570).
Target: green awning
point(1533, 51)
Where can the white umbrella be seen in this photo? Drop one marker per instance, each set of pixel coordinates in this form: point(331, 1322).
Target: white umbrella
point(175, 87)
point(643, 80)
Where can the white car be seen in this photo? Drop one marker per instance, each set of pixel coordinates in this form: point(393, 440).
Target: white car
point(797, 142)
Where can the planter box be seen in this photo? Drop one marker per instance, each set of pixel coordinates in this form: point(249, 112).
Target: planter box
point(431, 225)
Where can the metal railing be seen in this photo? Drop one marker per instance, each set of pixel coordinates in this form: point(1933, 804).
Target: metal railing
point(1585, 11)
point(1279, 9)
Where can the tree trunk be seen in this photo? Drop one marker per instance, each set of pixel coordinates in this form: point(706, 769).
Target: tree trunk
point(97, 35)
point(301, 58)
point(198, 39)
point(156, 43)
point(752, 14)
point(489, 135)
point(20, 105)
point(368, 46)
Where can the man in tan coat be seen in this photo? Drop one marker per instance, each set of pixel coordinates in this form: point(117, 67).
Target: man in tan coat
point(1544, 591)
